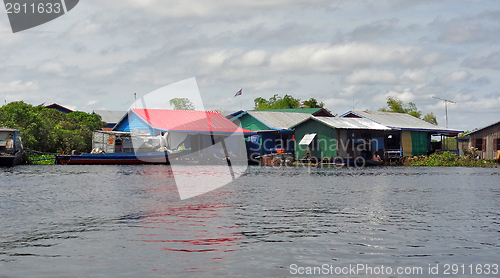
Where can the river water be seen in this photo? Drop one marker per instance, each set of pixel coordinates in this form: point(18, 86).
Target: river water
point(128, 221)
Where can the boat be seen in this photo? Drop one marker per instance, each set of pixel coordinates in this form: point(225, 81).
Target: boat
point(163, 157)
point(11, 147)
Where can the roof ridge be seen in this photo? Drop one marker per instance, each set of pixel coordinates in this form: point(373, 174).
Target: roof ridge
point(179, 110)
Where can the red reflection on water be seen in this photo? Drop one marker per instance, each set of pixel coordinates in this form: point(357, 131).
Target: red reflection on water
point(184, 228)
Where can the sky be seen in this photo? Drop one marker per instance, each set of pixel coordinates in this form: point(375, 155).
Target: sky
point(344, 53)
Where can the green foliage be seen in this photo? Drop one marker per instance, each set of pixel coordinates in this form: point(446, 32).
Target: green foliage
point(447, 159)
point(465, 133)
point(276, 102)
point(181, 104)
point(430, 118)
point(41, 159)
point(398, 106)
point(312, 103)
point(449, 143)
point(49, 130)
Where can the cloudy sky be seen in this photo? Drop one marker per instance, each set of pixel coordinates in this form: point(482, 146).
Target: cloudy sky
point(344, 53)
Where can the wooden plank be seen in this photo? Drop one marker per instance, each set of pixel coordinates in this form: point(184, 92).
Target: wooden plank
point(406, 142)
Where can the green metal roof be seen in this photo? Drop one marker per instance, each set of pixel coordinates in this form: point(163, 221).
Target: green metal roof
point(294, 110)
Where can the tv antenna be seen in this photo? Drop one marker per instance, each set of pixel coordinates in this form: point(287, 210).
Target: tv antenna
point(446, 107)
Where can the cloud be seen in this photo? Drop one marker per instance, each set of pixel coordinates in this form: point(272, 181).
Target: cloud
point(193, 8)
point(18, 86)
point(374, 30)
point(371, 77)
point(53, 67)
point(454, 77)
point(413, 75)
point(328, 58)
point(84, 28)
point(290, 32)
point(492, 61)
point(481, 81)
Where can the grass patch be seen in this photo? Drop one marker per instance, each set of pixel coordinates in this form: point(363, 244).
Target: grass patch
point(448, 159)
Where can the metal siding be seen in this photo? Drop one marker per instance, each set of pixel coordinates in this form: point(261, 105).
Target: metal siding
point(406, 142)
point(327, 141)
point(136, 124)
point(268, 142)
point(419, 142)
point(300, 131)
point(325, 144)
point(250, 123)
point(342, 148)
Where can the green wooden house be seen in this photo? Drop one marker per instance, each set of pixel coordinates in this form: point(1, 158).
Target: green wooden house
point(410, 136)
point(329, 137)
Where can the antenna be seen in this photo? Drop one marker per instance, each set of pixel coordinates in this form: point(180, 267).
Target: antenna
point(135, 100)
point(446, 107)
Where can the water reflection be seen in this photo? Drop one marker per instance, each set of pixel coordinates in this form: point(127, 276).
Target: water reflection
point(103, 221)
point(200, 225)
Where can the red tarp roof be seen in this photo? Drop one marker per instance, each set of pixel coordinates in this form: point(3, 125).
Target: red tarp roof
point(189, 120)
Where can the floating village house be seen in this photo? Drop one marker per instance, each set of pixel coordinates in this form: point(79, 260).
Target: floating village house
point(333, 137)
point(409, 136)
point(274, 127)
point(487, 141)
point(146, 130)
point(11, 147)
point(59, 108)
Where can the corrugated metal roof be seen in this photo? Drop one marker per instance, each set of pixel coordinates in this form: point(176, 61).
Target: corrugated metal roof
point(7, 129)
point(110, 116)
point(351, 123)
point(400, 121)
point(481, 129)
point(189, 121)
point(294, 110)
point(279, 120)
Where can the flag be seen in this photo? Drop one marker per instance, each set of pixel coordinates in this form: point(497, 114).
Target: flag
point(238, 93)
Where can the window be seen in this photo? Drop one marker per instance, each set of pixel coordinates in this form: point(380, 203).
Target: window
point(479, 144)
point(497, 143)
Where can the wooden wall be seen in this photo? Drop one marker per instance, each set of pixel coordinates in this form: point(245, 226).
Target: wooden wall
point(490, 136)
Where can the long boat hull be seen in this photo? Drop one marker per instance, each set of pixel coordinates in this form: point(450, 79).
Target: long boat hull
point(11, 160)
point(117, 158)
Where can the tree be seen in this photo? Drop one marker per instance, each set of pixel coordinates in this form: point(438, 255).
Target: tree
point(312, 103)
point(398, 106)
point(276, 102)
point(430, 118)
point(181, 104)
point(49, 130)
